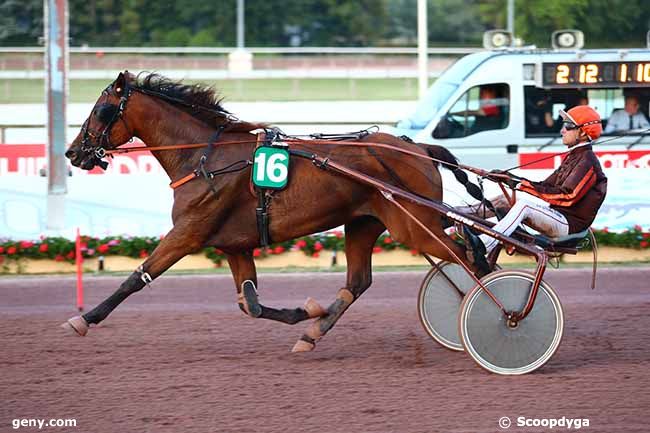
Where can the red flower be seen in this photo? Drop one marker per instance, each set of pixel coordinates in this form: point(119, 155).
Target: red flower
point(318, 246)
point(59, 258)
point(2, 249)
point(278, 250)
point(43, 248)
point(11, 250)
point(338, 234)
point(388, 240)
point(644, 244)
point(103, 248)
point(377, 250)
point(301, 243)
point(257, 252)
point(26, 244)
point(415, 252)
point(143, 254)
point(605, 230)
point(70, 255)
point(315, 254)
point(638, 228)
point(645, 236)
point(218, 251)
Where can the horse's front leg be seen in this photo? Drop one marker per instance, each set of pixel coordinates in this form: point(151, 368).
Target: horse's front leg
point(176, 245)
point(243, 271)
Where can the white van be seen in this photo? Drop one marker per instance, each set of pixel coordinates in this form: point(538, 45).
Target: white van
point(499, 109)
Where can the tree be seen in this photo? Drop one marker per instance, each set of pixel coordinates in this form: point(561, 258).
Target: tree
point(21, 22)
point(621, 23)
point(537, 19)
point(615, 23)
point(450, 24)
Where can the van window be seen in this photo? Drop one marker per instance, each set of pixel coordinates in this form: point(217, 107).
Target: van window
point(542, 106)
point(481, 108)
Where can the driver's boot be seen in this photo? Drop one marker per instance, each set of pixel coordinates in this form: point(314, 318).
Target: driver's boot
point(476, 252)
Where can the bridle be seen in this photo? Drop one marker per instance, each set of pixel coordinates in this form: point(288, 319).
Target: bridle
point(101, 139)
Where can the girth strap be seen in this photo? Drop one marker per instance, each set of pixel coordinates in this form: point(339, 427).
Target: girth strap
point(264, 138)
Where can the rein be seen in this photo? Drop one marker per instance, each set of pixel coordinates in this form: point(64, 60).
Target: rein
point(475, 170)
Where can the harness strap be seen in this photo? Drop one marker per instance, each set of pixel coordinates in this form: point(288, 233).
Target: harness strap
point(206, 155)
point(183, 180)
point(389, 170)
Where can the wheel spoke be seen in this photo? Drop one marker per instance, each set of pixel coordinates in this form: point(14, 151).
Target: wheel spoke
point(503, 349)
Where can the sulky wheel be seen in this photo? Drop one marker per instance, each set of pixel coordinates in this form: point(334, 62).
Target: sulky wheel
point(439, 302)
point(515, 348)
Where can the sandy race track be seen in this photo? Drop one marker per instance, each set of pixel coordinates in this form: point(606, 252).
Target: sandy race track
point(181, 357)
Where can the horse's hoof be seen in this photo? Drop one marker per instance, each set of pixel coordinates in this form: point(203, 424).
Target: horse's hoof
point(302, 346)
point(314, 309)
point(77, 324)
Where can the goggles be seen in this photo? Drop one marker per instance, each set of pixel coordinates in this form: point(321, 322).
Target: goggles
point(569, 126)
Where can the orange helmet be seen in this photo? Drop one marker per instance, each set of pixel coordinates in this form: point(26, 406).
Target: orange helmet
point(585, 118)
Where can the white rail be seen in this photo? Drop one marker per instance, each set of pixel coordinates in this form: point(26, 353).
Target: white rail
point(223, 74)
point(253, 50)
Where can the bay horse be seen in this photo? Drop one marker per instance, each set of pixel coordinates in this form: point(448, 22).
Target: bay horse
point(221, 212)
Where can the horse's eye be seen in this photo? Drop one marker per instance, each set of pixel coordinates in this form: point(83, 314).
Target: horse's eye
point(105, 112)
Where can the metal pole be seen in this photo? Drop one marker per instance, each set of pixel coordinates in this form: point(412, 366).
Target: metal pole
point(511, 17)
point(240, 24)
point(423, 41)
point(56, 89)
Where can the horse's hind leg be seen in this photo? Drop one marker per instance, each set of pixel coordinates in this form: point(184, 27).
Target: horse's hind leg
point(243, 271)
point(360, 237)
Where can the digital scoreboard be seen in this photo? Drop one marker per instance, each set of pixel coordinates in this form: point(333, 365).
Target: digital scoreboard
point(596, 74)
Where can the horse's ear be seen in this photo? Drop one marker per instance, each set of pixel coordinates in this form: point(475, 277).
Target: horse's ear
point(119, 84)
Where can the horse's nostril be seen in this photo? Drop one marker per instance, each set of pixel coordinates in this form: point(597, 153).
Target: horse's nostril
point(70, 154)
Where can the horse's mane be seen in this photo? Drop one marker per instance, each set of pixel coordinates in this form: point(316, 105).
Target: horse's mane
point(192, 96)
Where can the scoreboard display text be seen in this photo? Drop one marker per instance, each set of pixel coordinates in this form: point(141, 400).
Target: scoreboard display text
point(596, 74)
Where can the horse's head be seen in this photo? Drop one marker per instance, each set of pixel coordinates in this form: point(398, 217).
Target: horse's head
point(105, 128)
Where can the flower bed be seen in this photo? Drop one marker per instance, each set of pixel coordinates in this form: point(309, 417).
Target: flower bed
point(63, 250)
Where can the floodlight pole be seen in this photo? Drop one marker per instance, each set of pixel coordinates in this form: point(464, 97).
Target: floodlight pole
point(240, 61)
point(423, 46)
point(511, 17)
point(240, 24)
point(56, 89)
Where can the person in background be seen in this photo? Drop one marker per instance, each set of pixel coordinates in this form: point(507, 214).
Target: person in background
point(556, 124)
point(583, 100)
point(628, 119)
point(490, 114)
point(539, 112)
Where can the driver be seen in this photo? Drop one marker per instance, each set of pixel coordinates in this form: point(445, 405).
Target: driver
point(572, 194)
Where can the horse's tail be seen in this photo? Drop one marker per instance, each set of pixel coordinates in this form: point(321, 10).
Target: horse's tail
point(450, 162)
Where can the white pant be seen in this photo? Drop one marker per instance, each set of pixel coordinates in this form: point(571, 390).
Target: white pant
point(539, 216)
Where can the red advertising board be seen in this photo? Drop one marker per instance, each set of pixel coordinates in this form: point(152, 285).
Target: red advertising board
point(608, 159)
point(30, 160)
